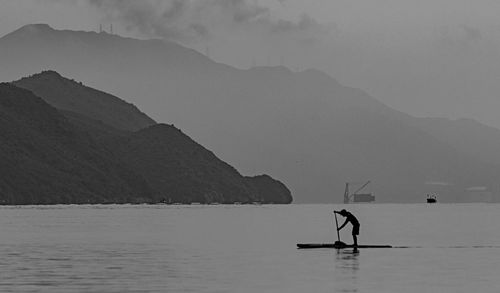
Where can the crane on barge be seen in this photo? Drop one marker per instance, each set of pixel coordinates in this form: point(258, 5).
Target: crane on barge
point(356, 196)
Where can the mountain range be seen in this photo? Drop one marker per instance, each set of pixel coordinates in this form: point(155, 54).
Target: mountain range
point(64, 142)
point(302, 127)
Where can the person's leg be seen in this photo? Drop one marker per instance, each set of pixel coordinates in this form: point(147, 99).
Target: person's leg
point(355, 233)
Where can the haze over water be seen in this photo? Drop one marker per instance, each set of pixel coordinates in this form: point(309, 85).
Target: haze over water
point(452, 248)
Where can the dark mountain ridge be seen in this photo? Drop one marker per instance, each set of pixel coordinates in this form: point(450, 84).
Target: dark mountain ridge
point(46, 160)
point(180, 170)
point(171, 166)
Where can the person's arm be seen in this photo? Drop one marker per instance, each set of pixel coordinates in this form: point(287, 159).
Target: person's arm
point(343, 225)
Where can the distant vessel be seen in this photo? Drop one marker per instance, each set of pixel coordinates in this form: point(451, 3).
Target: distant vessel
point(357, 197)
point(431, 198)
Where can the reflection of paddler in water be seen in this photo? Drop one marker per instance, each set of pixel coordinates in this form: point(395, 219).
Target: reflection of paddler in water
point(346, 272)
point(350, 218)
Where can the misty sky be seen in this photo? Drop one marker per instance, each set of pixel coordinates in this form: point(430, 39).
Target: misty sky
point(424, 57)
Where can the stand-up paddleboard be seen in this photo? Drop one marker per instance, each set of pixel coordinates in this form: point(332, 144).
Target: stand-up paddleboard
point(338, 245)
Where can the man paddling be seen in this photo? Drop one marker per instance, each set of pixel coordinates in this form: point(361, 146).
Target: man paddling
point(355, 224)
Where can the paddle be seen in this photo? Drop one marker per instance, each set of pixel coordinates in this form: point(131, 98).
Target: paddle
point(337, 225)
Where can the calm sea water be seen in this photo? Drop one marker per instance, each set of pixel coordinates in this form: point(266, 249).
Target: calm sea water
point(452, 248)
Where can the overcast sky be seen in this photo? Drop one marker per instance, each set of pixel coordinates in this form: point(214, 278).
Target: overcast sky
point(424, 57)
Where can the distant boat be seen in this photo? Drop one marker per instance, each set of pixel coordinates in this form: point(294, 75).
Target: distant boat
point(431, 199)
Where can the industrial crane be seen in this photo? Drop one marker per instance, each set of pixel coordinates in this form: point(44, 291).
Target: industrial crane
point(358, 197)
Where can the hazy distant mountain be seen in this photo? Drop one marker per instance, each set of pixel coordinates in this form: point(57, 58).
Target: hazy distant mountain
point(65, 94)
point(302, 127)
point(466, 135)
